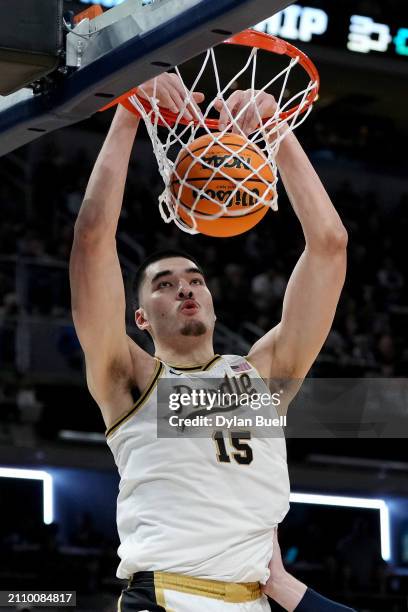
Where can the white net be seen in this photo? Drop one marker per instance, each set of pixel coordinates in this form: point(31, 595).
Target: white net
point(268, 135)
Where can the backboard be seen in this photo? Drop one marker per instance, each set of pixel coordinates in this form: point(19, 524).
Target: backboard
point(118, 50)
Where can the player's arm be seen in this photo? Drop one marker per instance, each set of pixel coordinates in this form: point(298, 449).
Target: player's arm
point(290, 593)
point(97, 290)
point(98, 296)
point(315, 285)
point(314, 288)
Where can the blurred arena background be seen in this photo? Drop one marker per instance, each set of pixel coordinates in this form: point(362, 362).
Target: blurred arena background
point(356, 138)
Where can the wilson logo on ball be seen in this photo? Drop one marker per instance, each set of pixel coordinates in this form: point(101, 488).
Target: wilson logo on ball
point(239, 198)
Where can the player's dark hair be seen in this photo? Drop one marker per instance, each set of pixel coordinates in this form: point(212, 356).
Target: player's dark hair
point(156, 256)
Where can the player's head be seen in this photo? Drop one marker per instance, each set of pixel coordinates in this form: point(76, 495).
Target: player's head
point(172, 296)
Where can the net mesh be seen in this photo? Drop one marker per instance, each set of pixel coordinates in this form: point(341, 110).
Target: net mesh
point(268, 135)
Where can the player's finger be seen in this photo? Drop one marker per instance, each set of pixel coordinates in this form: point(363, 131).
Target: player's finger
point(267, 106)
point(195, 111)
point(248, 119)
point(178, 92)
point(192, 109)
point(180, 103)
point(231, 105)
point(264, 108)
point(253, 117)
point(242, 113)
point(196, 98)
point(180, 87)
point(265, 111)
point(218, 104)
point(260, 107)
point(143, 90)
point(177, 83)
point(168, 102)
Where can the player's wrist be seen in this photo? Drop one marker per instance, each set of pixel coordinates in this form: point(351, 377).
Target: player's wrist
point(288, 142)
point(286, 590)
point(284, 132)
point(126, 118)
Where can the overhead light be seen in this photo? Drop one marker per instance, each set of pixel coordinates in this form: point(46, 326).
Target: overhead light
point(353, 502)
point(48, 504)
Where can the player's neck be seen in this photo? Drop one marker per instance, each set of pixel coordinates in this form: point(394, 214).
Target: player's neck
point(189, 352)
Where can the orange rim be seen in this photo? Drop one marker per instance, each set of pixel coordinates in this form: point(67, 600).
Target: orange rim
point(247, 38)
point(90, 13)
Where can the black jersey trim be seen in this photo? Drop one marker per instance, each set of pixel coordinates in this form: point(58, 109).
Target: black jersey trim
point(196, 368)
point(141, 401)
point(212, 361)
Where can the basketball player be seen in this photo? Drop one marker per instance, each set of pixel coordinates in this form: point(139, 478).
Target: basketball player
point(195, 515)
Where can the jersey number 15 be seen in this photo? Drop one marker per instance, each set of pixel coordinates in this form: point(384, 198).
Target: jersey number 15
point(244, 454)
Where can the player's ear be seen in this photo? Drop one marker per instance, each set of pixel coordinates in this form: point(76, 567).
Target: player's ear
point(141, 319)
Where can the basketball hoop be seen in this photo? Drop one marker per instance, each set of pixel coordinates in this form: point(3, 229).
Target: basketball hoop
point(178, 131)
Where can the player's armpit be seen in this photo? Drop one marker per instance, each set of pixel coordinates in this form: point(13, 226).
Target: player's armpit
point(276, 374)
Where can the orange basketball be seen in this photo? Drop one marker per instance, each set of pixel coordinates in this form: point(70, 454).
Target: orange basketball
point(221, 169)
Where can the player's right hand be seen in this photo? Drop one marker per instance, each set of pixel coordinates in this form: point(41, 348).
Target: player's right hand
point(171, 93)
point(244, 111)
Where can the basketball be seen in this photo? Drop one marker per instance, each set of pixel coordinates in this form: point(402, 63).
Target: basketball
point(226, 170)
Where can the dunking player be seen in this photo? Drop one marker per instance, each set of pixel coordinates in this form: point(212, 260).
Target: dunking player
point(196, 517)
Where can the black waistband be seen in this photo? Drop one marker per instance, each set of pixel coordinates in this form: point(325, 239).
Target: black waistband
point(139, 577)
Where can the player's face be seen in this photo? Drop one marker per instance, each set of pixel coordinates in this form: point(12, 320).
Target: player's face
point(175, 300)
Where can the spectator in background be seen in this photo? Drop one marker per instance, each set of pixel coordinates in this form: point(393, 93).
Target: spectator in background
point(86, 534)
point(268, 289)
point(234, 293)
point(10, 307)
point(29, 408)
point(359, 556)
point(386, 355)
point(69, 347)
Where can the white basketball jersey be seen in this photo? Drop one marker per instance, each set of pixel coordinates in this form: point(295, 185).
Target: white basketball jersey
point(180, 509)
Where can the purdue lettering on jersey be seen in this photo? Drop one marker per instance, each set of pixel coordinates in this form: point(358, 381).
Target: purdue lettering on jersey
point(203, 507)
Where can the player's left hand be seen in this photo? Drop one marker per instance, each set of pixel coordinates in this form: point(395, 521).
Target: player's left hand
point(171, 93)
point(262, 106)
